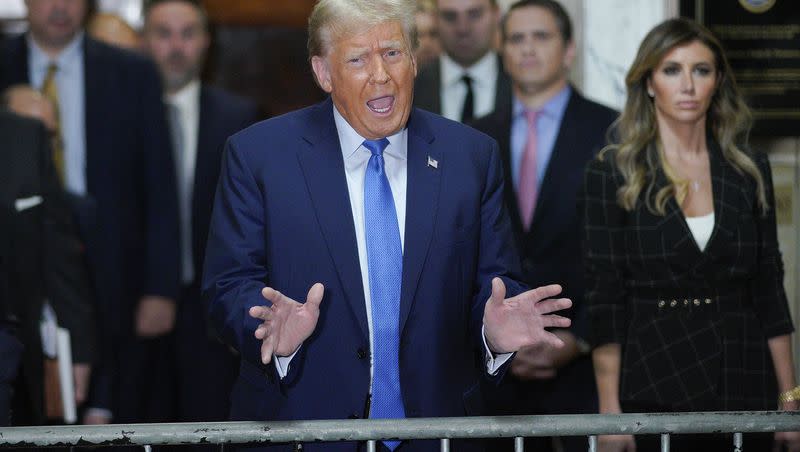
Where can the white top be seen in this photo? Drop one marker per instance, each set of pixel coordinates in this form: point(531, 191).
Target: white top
point(187, 101)
point(453, 91)
point(701, 228)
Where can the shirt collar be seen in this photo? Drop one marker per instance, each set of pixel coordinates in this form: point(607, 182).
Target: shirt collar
point(483, 69)
point(70, 53)
point(186, 96)
point(350, 140)
point(553, 108)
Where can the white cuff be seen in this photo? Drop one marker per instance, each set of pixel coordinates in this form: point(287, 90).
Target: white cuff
point(282, 363)
point(493, 362)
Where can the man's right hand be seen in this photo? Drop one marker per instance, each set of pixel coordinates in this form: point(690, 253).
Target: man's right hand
point(616, 443)
point(287, 323)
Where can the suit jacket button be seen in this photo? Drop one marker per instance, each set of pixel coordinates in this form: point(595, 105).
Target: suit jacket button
point(673, 303)
point(661, 303)
point(696, 302)
point(361, 353)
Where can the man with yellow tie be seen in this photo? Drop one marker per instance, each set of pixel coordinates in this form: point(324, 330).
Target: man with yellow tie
point(117, 166)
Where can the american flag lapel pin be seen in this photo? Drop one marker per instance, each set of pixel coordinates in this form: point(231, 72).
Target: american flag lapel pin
point(433, 162)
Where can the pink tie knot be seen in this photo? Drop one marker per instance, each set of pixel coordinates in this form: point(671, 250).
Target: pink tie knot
point(532, 115)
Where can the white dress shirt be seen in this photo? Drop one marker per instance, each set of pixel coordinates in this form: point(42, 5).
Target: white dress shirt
point(71, 104)
point(356, 157)
point(453, 90)
point(187, 102)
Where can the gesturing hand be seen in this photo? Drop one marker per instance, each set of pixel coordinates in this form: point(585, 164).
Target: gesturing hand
point(510, 324)
point(287, 323)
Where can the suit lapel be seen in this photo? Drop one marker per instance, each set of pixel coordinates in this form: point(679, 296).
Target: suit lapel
point(94, 93)
point(206, 152)
point(323, 169)
point(725, 212)
point(560, 161)
point(422, 199)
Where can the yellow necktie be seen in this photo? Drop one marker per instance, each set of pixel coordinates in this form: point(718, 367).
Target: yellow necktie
point(50, 92)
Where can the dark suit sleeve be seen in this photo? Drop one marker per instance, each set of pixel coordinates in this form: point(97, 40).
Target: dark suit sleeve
point(497, 253)
point(235, 268)
point(162, 258)
point(604, 253)
point(66, 275)
point(769, 294)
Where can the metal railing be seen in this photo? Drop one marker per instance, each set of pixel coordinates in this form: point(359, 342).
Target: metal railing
point(371, 431)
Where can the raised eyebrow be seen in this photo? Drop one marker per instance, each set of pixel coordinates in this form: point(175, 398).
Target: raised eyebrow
point(391, 45)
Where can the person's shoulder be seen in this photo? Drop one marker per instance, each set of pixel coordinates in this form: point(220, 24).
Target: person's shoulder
point(604, 164)
point(230, 104)
point(594, 109)
point(114, 55)
point(448, 129)
point(278, 127)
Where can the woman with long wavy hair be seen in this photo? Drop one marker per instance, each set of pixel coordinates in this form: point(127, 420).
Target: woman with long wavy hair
point(684, 276)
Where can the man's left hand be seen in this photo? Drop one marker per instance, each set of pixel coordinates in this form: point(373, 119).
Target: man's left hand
point(516, 322)
point(155, 316)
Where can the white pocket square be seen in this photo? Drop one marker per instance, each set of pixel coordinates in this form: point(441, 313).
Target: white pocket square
point(26, 203)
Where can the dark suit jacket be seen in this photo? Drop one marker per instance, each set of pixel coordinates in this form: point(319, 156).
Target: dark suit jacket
point(221, 115)
point(129, 219)
point(693, 324)
point(282, 217)
point(550, 249)
point(428, 84)
point(40, 252)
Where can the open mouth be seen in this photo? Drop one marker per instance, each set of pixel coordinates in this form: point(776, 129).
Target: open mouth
point(381, 105)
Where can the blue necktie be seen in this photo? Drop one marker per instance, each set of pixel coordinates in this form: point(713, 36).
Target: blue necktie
point(385, 264)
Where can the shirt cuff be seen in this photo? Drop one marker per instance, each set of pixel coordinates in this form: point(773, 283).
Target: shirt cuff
point(493, 362)
point(98, 412)
point(282, 363)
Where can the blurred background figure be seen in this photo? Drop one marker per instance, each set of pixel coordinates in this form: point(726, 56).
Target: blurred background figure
point(428, 33)
point(113, 153)
point(113, 30)
point(42, 267)
point(684, 278)
point(467, 81)
point(544, 159)
point(201, 118)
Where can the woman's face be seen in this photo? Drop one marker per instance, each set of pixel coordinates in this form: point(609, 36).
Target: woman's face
point(683, 83)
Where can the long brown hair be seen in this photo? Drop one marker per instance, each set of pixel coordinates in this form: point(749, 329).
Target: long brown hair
point(637, 147)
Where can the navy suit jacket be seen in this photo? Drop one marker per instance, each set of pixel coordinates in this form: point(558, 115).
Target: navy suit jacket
point(129, 219)
point(282, 218)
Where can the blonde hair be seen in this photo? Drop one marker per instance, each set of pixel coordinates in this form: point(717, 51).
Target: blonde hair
point(332, 18)
point(638, 152)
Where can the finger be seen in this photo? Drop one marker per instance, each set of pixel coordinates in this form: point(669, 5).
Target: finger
point(552, 340)
point(553, 305)
point(267, 349)
point(498, 291)
point(261, 331)
point(540, 293)
point(272, 295)
point(315, 294)
point(259, 312)
point(555, 321)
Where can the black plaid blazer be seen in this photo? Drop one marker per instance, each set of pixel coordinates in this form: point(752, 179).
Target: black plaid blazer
point(693, 324)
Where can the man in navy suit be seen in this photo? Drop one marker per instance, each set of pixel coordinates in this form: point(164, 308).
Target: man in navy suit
point(201, 118)
point(567, 132)
point(117, 167)
point(387, 224)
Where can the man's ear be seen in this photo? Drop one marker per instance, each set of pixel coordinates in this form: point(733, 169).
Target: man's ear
point(569, 54)
point(322, 73)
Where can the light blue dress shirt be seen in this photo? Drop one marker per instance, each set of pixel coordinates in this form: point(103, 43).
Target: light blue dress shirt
point(548, 123)
point(71, 108)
